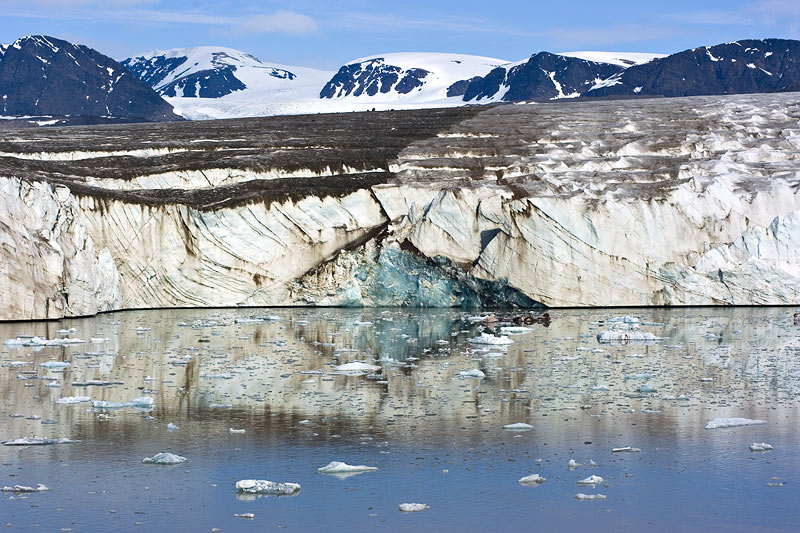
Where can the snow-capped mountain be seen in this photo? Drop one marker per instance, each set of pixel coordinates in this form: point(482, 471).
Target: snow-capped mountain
point(218, 82)
point(748, 66)
point(621, 59)
point(42, 75)
point(406, 77)
point(544, 76)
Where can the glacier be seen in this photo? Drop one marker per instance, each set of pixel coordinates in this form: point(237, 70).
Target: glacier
point(686, 201)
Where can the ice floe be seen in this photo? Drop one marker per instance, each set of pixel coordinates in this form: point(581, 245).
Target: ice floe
point(164, 458)
point(582, 496)
point(413, 507)
point(518, 426)
point(760, 447)
point(38, 441)
point(718, 423)
point(338, 467)
point(488, 338)
point(23, 488)
point(591, 480)
point(261, 486)
point(533, 479)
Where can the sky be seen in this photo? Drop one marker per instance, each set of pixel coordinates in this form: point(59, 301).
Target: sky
point(328, 33)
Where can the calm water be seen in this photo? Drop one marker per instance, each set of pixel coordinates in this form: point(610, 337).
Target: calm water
point(436, 437)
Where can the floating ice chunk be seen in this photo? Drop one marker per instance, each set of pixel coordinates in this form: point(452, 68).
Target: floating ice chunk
point(144, 402)
point(244, 515)
point(474, 373)
point(488, 338)
point(23, 488)
point(365, 323)
point(760, 447)
point(626, 449)
point(646, 388)
point(225, 375)
point(337, 467)
point(164, 458)
point(600, 388)
point(623, 336)
point(574, 464)
point(261, 486)
point(582, 496)
point(733, 422)
point(237, 431)
point(270, 318)
point(220, 406)
point(625, 319)
point(413, 507)
point(591, 480)
point(515, 330)
point(519, 426)
point(73, 399)
point(38, 441)
point(533, 479)
point(15, 364)
point(247, 320)
point(172, 427)
point(55, 364)
point(357, 366)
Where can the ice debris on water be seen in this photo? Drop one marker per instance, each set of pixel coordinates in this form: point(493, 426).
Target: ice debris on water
point(244, 515)
point(474, 373)
point(533, 479)
point(357, 366)
point(172, 427)
point(39, 341)
point(164, 458)
point(338, 467)
point(515, 330)
point(519, 426)
point(237, 431)
point(760, 447)
point(718, 423)
point(144, 402)
point(574, 464)
point(582, 496)
point(38, 441)
point(55, 364)
point(261, 486)
point(413, 507)
point(23, 488)
point(73, 399)
point(626, 449)
point(591, 480)
point(488, 338)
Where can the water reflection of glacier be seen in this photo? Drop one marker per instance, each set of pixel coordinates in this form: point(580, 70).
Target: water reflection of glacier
point(711, 361)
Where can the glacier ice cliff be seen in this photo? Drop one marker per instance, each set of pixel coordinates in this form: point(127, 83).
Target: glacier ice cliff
point(688, 201)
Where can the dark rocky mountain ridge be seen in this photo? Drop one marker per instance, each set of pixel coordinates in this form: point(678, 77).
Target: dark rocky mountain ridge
point(42, 75)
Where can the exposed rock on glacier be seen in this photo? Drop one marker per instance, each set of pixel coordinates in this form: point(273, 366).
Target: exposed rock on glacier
point(650, 202)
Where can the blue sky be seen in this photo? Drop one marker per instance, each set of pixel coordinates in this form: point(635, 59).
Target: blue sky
point(326, 34)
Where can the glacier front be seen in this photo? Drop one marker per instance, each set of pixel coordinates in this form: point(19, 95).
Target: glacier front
point(686, 201)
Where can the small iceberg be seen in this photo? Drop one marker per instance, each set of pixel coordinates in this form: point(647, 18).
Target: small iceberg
point(236, 431)
point(38, 441)
point(340, 468)
point(626, 449)
point(573, 464)
point(532, 480)
point(591, 480)
point(413, 507)
point(474, 373)
point(55, 364)
point(760, 447)
point(144, 402)
point(582, 496)
point(357, 367)
point(67, 400)
point(23, 488)
point(718, 423)
point(488, 338)
point(164, 458)
point(519, 426)
point(261, 486)
point(172, 427)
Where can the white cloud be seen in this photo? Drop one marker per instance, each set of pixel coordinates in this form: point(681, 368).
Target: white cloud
point(279, 22)
point(122, 11)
